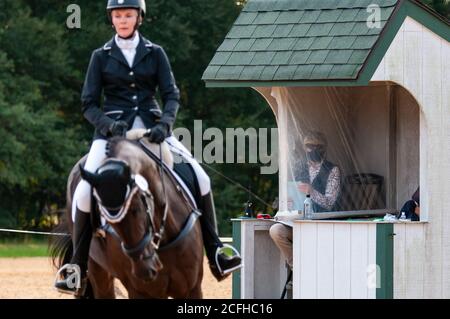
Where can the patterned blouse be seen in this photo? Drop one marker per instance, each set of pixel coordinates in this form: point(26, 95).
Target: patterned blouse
point(328, 199)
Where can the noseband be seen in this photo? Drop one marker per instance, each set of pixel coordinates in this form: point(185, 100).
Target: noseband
point(151, 236)
point(137, 185)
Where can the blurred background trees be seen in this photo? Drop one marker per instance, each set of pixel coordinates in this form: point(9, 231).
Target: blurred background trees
point(42, 66)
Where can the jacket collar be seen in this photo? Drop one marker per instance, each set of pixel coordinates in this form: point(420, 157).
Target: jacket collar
point(144, 47)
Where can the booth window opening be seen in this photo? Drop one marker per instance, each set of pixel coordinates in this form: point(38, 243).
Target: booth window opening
point(350, 148)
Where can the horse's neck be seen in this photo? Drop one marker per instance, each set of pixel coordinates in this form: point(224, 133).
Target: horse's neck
point(177, 210)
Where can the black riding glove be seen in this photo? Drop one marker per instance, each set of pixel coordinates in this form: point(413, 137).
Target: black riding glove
point(118, 128)
point(158, 133)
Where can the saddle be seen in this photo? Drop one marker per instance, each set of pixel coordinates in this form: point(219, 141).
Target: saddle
point(186, 173)
point(182, 175)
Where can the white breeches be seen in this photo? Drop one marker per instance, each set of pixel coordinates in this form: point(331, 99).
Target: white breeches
point(97, 154)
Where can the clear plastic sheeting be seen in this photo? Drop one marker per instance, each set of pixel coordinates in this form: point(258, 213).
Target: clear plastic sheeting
point(350, 148)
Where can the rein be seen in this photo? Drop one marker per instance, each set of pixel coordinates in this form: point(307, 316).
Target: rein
point(152, 236)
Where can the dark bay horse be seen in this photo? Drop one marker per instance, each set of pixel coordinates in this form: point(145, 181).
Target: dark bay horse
point(130, 250)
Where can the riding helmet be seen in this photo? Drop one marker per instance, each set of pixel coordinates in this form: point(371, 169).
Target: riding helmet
point(125, 4)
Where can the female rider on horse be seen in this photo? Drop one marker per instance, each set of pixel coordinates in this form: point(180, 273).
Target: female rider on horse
point(129, 69)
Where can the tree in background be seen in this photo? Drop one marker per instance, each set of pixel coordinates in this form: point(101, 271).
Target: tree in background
point(441, 6)
point(42, 67)
point(37, 147)
point(42, 72)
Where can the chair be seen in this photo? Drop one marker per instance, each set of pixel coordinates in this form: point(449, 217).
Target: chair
point(362, 192)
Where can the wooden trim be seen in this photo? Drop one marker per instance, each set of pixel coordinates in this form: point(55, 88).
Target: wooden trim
point(306, 83)
point(339, 215)
point(391, 180)
point(429, 18)
point(236, 276)
point(385, 260)
point(356, 221)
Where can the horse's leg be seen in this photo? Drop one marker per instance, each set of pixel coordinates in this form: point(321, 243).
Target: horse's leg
point(102, 282)
point(134, 294)
point(196, 292)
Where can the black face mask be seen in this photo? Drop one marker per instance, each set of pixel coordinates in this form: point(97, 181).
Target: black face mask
point(315, 155)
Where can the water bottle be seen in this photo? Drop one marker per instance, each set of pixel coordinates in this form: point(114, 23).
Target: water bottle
point(248, 212)
point(308, 207)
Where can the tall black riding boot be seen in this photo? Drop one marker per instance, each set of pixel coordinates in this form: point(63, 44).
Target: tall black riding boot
point(221, 265)
point(81, 240)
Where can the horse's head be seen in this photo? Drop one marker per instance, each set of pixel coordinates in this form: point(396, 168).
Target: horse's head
point(130, 197)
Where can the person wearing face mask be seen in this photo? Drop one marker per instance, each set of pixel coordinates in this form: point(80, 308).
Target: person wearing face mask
point(128, 70)
point(317, 177)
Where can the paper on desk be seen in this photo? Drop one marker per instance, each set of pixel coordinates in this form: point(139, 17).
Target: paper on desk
point(287, 218)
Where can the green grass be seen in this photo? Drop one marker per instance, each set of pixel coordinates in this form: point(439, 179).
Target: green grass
point(23, 249)
point(31, 247)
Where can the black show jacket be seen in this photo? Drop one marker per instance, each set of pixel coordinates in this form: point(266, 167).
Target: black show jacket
point(128, 92)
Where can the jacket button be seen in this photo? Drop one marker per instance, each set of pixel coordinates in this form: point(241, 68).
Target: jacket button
point(133, 85)
point(134, 97)
point(131, 73)
point(135, 108)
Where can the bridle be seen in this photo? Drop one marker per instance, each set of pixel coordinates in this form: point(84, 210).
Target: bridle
point(139, 185)
point(151, 236)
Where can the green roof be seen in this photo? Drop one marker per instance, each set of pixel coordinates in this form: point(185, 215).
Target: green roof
point(310, 42)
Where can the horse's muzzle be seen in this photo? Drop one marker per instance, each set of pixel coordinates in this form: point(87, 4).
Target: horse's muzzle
point(147, 268)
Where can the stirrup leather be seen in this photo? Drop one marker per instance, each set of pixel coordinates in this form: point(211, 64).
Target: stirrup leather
point(236, 253)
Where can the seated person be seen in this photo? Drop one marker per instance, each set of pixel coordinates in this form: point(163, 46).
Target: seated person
point(412, 207)
point(319, 178)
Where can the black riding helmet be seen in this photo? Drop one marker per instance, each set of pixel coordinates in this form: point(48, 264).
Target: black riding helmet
point(126, 4)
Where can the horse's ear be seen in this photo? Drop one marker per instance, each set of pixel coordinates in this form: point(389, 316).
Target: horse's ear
point(88, 176)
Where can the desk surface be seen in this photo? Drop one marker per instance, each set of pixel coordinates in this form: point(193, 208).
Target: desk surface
point(323, 221)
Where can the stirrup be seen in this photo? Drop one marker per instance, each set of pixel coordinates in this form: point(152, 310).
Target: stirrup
point(236, 253)
point(72, 279)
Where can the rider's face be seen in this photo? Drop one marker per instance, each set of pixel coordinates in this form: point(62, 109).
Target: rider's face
point(124, 21)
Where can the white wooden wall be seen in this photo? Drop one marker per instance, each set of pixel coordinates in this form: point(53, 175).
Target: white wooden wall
point(263, 273)
point(334, 259)
point(419, 60)
point(409, 270)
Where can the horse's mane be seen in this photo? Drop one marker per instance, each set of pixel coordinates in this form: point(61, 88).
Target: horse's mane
point(127, 148)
